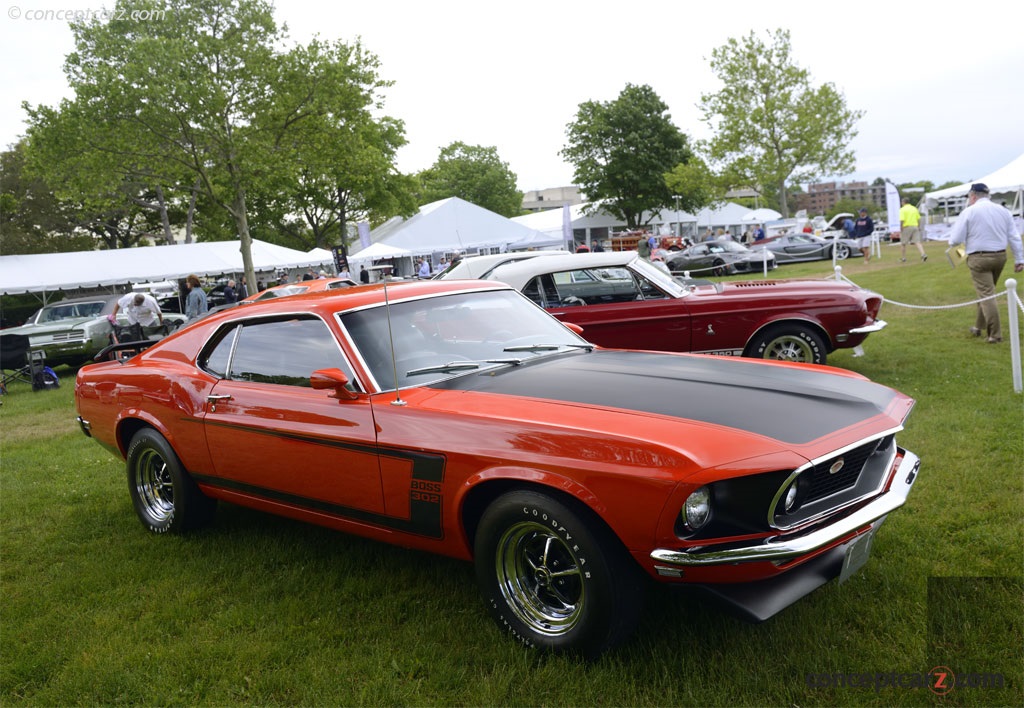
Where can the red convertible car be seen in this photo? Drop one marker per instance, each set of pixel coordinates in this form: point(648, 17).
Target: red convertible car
point(624, 301)
point(457, 417)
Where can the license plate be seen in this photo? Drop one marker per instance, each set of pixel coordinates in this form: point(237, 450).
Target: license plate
point(857, 554)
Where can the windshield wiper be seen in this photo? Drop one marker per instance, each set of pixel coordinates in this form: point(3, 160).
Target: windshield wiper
point(545, 347)
point(448, 368)
point(454, 366)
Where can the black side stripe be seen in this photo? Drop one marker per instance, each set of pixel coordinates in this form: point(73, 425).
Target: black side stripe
point(425, 510)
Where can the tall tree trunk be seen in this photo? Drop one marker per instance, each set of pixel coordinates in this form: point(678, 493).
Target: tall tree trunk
point(245, 246)
point(783, 203)
point(165, 220)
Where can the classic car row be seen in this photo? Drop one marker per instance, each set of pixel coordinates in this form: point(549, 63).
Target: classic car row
point(624, 301)
point(458, 417)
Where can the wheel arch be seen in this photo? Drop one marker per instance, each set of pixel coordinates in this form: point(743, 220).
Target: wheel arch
point(476, 498)
point(784, 320)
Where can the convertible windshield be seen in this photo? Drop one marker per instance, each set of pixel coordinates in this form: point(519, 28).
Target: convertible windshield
point(67, 311)
point(438, 337)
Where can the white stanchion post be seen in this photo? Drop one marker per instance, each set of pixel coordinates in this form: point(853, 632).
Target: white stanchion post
point(1011, 299)
point(764, 262)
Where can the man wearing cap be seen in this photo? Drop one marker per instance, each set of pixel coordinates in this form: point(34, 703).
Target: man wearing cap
point(910, 230)
point(863, 228)
point(986, 229)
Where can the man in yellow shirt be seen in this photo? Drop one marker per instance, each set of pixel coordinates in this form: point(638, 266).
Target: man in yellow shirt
point(910, 230)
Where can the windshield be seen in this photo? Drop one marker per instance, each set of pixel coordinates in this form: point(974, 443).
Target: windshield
point(68, 311)
point(659, 277)
point(439, 337)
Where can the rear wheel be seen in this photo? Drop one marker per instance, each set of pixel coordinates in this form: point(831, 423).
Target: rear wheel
point(842, 251)
point(791, 342)
point(553, 577)
point(165, 497)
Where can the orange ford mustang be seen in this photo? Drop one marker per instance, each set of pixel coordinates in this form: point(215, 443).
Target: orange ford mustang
point(566, 472)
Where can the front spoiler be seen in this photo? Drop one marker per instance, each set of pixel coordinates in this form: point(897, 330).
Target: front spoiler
point(783, 547)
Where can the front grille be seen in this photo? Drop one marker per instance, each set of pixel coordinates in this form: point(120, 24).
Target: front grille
point(824, 483)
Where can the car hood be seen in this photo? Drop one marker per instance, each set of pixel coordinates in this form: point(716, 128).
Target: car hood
point(35, 330)
point(768, 288)
point(797, 405)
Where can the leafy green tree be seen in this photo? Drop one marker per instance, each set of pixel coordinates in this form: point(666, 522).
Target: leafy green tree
point(474, 173)
point(202, 97)
point(771, 127)
point(695, 185)
point(621, 150)
point(32, 218)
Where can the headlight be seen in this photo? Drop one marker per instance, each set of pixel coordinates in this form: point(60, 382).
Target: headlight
point(697, 509)
point(790, 498)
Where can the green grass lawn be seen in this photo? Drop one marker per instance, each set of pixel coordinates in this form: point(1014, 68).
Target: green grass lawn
point(258, 610)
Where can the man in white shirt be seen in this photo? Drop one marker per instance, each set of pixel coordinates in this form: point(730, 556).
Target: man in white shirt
point(986, 229)
point(141, 309)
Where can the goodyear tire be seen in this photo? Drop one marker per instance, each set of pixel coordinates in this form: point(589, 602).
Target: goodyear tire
point(555, 578)
point(165, 497)
point(791, 342)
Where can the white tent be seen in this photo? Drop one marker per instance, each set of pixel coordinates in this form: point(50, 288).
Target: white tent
point(586, 218)
point(450, 225)
point(758, 216)
point(46, 272)
point(1008, 179)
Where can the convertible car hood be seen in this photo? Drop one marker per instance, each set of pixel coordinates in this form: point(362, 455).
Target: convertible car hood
point(36, 330)
point(779, 287)
point(795, 405)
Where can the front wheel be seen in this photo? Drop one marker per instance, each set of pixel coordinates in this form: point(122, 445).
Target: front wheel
point(789, 343)
point(554, 578)
point(165, 497)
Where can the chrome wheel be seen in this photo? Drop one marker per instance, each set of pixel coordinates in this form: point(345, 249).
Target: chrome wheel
point(540, 579)
point(789, 348)
point(154, 487)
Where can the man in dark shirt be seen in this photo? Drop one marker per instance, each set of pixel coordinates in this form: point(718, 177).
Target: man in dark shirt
point(863, 227)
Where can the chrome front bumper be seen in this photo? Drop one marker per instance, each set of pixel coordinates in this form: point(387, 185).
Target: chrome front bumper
point(780, 548)
point(877, 326)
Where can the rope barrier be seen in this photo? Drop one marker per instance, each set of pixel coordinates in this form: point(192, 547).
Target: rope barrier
point(839, 276)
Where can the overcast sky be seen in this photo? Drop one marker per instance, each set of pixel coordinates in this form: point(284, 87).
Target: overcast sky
point(940, 84)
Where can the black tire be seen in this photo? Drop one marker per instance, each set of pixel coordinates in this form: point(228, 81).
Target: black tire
point(719, 267)
point(842, 251)
point(165, 497)
point(789, 342)
point(554, 578)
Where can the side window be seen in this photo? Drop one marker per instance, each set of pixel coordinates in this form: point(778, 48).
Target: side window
point(284, 352)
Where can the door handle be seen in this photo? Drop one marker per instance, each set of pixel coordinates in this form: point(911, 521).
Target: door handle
point(214, 399)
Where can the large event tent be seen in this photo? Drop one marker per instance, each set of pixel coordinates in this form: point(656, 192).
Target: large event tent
point(447, 226)
point(48, 272)
point(1007, 180)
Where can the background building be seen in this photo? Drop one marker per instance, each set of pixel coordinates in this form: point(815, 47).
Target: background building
point(822, 197)
point(542, 199)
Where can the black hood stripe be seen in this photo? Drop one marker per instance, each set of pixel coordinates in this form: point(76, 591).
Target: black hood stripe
point(795, 406)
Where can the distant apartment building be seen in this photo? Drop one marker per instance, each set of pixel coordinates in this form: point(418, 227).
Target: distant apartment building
point(822, 197)
point(553, 198)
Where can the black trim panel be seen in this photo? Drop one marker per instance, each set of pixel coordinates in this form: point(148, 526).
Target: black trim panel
point(425, 509)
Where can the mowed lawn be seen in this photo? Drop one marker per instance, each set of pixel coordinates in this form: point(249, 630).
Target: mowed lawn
point(263, 611)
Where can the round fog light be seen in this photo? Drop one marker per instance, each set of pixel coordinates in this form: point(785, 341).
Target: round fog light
point(697, 509)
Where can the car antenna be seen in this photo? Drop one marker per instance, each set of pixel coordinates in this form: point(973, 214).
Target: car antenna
point(385, 270)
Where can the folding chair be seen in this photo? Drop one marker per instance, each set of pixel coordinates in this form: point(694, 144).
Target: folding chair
point(19, 363)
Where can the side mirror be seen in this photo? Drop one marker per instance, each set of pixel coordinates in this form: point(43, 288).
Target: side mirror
point(574, 327)
point(335, 379)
